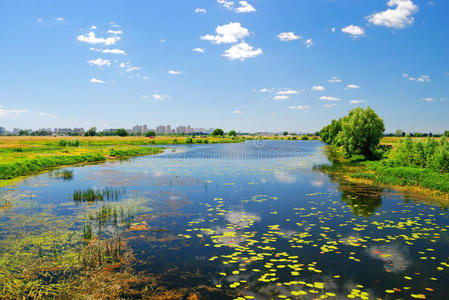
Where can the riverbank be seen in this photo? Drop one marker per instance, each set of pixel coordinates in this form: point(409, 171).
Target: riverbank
point(25, 156)
point(415, 180)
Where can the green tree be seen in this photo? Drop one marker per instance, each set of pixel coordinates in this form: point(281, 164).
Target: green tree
point(218, 132)
point(285, 133)
point(398, 133)
point(446, 133)
point(329, 133)
point(361, 132)
point(232, 133)
point(91, 132)
point(121, 132)
point(150, 133)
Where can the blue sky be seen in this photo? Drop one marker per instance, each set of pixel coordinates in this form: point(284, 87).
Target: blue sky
point(256, 65)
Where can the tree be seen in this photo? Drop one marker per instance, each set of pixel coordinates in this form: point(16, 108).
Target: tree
point(218, 132)
point(361, 132)
point(285, 133)
point(446, 133)
point(398, 133)
point(91, 132)
point(329, 133)
point(232, 133)
point(122, 132)
point(150, 133)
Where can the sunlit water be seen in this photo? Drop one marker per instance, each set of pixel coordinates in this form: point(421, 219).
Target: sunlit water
point(254, 218)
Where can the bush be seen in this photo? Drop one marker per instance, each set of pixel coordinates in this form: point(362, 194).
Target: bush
point(304, 138)
point(424, 154)
point(189, 141)
point(218, 132)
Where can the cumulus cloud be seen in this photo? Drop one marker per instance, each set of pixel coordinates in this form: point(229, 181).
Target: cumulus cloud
point(242, 51)
point(309, 43)
point(422, 78)
point(99, 62)
point(318, 88)
point(281, 97)
point(200, 11)
point(91, 38)
point(237, 112)
point(352, 86)
point(354, 31)
point(288, 36)
point(329, 105)
point(95, 80)
point(159, 97)
point(245, 7)
point(334, 80)
point(229, 33)
point(174, 72)
point(399, 15)
point(115, 32)
point(60, 19)
point(199, 50)
point(357, 101)
point(128, 67)
point(328, 98)
point(288, 92)
point(226, 4)
point(299, 107)
point(429, 99)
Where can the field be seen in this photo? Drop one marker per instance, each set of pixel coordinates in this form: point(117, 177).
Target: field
point(23, 156)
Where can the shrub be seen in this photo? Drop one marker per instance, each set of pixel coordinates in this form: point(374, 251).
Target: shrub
point(189, 140)
point(218, 132)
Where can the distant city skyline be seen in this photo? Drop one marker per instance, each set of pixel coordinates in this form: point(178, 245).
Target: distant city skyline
point(270, 66)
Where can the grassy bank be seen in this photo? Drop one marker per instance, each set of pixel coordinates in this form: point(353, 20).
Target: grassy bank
point(414, 179)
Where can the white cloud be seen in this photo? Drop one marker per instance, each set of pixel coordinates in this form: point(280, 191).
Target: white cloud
point(318, 88)
point(39, 20)
point(99, 62)
point(327, 98)
point(352, 86)
point(160, 97)
point(145, 96)
point(309, 43)
point(288, 36)
point(354, 31)
point(237, 112)
point(242, 51)
point(199, 50)
point(398, 17)
point(288, 92)
point(91, 38)
point(226, 4)
point(60, 19)
point(334, 79)
point(128, 67)
point(4, 113)
point(229, 33)
point(200, 11)
point(115, 32)
point(245, 7)
point(114, 51)
point(333, 29)
point(174, 72)
point(264, 90)
point(93, 27)
point(95, 80)
point(281, 97)
point(422, 78)
point(429, 99)
point(329, 105)
point(299, 107)
point(357, 101)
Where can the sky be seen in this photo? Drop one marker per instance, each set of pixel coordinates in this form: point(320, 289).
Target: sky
point(256, 65)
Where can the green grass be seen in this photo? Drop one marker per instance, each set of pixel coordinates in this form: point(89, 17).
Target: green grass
point(37, 165)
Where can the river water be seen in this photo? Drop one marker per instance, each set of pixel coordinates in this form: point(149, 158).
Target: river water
point(252, 220)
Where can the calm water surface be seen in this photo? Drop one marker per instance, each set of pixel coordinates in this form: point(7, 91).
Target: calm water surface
point(254, 218)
